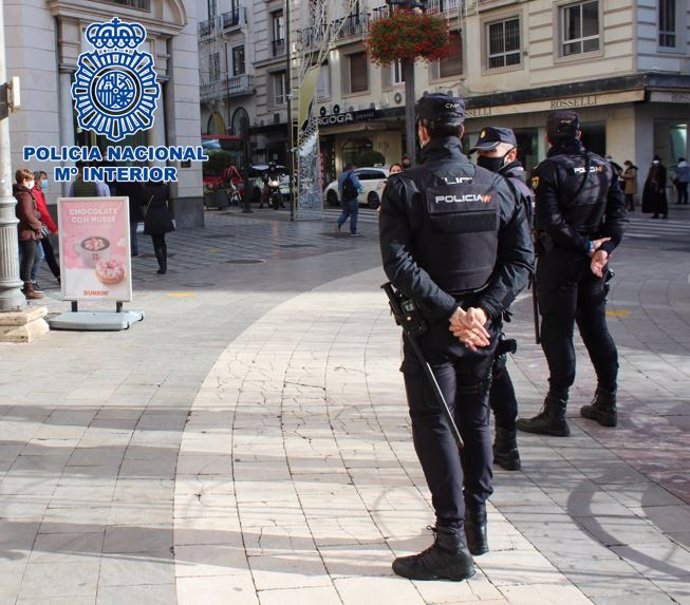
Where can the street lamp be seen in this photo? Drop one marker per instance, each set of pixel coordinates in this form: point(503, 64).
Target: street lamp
point(11, 297)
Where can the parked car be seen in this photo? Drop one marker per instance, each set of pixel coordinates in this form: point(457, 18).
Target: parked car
point(373, 180)
point(256, 180)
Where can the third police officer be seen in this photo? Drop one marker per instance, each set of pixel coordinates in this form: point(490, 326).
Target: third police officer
point(455, 242)
point(497, 151)
point(579, 217)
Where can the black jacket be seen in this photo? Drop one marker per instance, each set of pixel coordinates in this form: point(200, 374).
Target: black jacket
point(401, 224)
point(515, 175)
point(157, 219)
point(578, 199)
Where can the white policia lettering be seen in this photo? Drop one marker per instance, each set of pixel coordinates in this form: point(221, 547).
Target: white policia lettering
point(454, 180)
point(461, 199)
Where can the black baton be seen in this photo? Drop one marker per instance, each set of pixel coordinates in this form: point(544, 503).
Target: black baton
point(413, 326)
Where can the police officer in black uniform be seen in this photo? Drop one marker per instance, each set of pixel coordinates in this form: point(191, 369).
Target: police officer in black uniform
point(455, 242)
point(497, 151)
point(579, 215)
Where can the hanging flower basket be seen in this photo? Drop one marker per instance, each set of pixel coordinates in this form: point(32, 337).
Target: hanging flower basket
point(408, 35)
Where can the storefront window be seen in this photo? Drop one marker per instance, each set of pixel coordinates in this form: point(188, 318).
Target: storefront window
point(353, 148)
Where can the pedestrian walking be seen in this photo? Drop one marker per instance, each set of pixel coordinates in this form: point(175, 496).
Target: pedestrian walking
point(579, 218)
point(349, 187)
point(630, 184)
point(654, 190)
point(456, 245)
point(497, 151)
point(28, 229)
point(681, 181)
point(44, 247)
point(158, 222)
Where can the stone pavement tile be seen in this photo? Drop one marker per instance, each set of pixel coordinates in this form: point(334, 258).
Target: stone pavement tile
point(347, 527)
point(22, 485)
point(645, 495)
point(544, 594)
point(658, 562)
point(520, 567)
point(136, 490)
point(75, 516)
point(649, 598)
point(289, 569)
point(319, 595)
point(135, 571)
point(478, 589)
point(357, 560)
point(58, 601)
point(157, 594)
point(138, 539)
point(12, 566)
point(59, 580)
point(138, 513)
point(66, 548)
point(376, 591)
point(615, 530)
point(232, 589)
point(204, 560)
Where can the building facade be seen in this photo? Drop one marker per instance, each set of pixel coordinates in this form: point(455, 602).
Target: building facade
point(43, 40)
point(624, 66)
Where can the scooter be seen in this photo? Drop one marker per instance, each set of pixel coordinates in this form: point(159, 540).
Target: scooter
point(275, 197)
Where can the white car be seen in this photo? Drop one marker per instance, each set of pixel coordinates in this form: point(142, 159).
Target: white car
point(373, 180)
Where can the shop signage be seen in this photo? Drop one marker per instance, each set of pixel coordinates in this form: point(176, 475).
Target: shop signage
point(95, 248)
point(574, 102)
point(348, 117)
point(669, 97)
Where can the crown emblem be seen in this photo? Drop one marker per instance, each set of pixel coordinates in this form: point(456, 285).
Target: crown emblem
point(115, 35)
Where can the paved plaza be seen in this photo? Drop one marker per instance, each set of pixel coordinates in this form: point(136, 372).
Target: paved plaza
point(248, 443)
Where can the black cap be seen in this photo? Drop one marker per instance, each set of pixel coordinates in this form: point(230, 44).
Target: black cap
point(491, 137)
point(562, 124)
point(439, 109)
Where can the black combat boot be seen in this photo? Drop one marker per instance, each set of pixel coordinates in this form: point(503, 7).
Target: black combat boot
point(505, 448)
point(446, 559)
point(550, 421)
point(475, 531)
point(602, 409)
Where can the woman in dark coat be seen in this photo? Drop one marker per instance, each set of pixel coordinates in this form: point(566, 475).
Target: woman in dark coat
point(158, 221)
point(28, 228)
point(654, 192)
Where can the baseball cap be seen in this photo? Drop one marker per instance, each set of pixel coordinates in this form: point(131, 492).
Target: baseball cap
point(562, 123)
point(441, 109)
point(491, 137)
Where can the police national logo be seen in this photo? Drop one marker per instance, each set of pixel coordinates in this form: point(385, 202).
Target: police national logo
point(115, 89)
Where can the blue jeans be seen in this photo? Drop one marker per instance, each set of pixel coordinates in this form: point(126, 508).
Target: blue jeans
point(40, 256)
point(351, 209)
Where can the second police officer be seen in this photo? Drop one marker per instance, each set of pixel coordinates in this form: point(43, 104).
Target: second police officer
point(497, 151)
point(579, 218)
point(455, 242)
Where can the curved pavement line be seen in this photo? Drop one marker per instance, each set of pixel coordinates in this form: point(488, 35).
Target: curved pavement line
point(297, 481)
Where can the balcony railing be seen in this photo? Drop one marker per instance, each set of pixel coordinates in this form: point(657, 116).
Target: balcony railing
point(311, 37)
point(234, 18)
point(278, 47)
point(445, 6)
point(234, 86)
point(208, 28)
point(354, 25)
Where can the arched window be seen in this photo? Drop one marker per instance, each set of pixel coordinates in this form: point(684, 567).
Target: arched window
point(216, 124)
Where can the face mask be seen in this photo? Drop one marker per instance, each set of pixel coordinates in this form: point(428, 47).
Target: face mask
point(655, 162)
point(30, 184)
point(44, 184)
point(492, 164)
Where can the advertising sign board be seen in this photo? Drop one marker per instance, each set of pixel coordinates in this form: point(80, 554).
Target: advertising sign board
point(95, 260)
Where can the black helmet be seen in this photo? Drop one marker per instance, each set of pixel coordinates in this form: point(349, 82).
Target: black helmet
point(441, 110)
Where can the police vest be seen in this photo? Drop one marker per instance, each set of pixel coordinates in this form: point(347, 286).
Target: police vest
point(458, 242)
point(585, 181)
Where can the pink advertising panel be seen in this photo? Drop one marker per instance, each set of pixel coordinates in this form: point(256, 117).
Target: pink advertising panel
point(95, 248)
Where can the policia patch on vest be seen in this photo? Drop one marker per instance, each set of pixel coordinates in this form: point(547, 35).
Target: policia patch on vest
point(462, 208)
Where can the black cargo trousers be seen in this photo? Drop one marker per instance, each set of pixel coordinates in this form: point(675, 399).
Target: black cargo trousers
point(568, 293)
point(455, 481)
